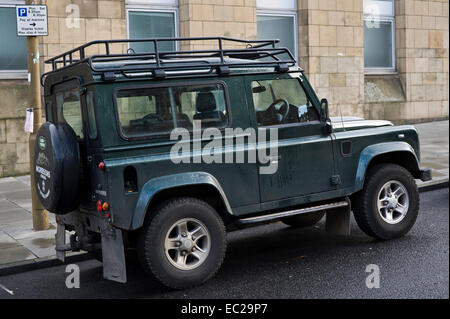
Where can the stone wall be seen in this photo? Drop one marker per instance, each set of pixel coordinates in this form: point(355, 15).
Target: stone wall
point(331, 38)
point(14, 155)
point(98, 20)
point(332, 52)
point(212, 18)
point(422, 59)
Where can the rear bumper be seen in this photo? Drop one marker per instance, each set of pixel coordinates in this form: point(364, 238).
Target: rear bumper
point(425, 174)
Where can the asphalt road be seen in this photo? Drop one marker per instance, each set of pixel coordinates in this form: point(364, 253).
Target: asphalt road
point(275, 261)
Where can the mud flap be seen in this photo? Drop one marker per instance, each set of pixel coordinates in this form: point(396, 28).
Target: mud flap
point(113, 255)
point(338, 220)
point(60, 240)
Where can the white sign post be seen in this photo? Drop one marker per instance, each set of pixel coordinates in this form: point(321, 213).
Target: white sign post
point(31, 20)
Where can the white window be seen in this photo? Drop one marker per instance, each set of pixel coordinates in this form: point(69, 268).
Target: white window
point(152, 19)
point(278, 20)
point(379, 36)
point(13, 49)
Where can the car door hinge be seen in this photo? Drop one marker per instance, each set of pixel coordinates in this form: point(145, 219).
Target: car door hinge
point(335, 180)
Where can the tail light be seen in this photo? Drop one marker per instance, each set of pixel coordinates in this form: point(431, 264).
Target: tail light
point(101, 166)
point(99, 206)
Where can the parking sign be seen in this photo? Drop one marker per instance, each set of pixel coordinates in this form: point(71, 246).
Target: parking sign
point(31, 20)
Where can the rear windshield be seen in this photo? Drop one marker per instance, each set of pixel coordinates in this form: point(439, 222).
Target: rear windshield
point(69, 110)
point(158, 110)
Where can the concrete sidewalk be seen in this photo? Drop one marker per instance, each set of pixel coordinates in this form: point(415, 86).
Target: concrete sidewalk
point(21, 246)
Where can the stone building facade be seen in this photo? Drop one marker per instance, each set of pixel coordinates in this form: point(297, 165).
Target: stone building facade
point(330, 39)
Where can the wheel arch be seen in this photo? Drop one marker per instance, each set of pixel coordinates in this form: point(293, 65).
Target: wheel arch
point(200, 185)
point(400, 153)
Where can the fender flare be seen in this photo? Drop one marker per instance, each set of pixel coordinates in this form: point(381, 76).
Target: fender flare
point(156, 185)
point(372, 151)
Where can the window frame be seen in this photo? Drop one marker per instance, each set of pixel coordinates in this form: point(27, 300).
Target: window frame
point(391, 20)
point(13, 74)
point(167, 85)
point(283, 13)
point(153, 9)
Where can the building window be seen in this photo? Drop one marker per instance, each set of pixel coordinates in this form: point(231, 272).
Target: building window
point(13, 49)
point(278, 20)
point(379, 36)
point(152, 19)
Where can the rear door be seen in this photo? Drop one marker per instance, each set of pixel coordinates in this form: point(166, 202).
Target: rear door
point(74, 106)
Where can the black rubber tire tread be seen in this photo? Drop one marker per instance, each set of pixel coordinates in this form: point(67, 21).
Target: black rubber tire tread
point(304, 220)
point(176, 209)
point(365, 211)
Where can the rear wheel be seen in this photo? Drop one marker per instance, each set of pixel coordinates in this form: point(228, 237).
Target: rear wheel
point(183, 244)
point(304, 220)
point(388, 205)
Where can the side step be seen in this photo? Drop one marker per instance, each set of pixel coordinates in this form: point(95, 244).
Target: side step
point(289, 213)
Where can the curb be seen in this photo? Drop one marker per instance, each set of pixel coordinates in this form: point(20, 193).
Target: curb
point(433, 186)
point(39, 263)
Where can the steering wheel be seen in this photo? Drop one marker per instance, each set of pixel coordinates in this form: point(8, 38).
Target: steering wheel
point(283, 113)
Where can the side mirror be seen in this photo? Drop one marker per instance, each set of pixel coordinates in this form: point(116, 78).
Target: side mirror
point(325, 116)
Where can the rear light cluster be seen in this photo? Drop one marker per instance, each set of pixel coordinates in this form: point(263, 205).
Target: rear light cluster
point(103, 207)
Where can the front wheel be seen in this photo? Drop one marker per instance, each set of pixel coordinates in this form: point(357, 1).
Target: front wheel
point(183, 244)
point(388, 205)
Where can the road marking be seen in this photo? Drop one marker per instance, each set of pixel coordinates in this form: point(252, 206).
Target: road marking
point(7, 290)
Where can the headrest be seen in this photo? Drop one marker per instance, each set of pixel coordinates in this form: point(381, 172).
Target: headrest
point(206, 102)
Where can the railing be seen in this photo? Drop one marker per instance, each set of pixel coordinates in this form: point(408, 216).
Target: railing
point(256, 53)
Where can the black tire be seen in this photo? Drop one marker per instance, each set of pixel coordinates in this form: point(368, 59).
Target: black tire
point(57, 167)
point(304, 220)
point(151, 249)
point(365, 208)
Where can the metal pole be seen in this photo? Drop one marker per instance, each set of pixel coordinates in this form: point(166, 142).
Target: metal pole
point(40, 215)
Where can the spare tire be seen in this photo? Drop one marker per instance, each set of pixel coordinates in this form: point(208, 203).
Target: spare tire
point(57, 167)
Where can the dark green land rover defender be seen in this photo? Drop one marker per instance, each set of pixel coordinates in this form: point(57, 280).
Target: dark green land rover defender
point(162, 151)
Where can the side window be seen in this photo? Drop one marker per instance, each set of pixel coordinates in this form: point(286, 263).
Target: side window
point(69, 110)
point(91, 115)
point(204, 103)
point(147, 111)
point(144, 111)
point(281, 101)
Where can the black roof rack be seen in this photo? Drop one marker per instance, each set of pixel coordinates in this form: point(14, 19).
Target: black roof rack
point(256, 53)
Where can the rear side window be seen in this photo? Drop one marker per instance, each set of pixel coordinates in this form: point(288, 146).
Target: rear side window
point(91, 115)
point(69, 110)
point(155, 111)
